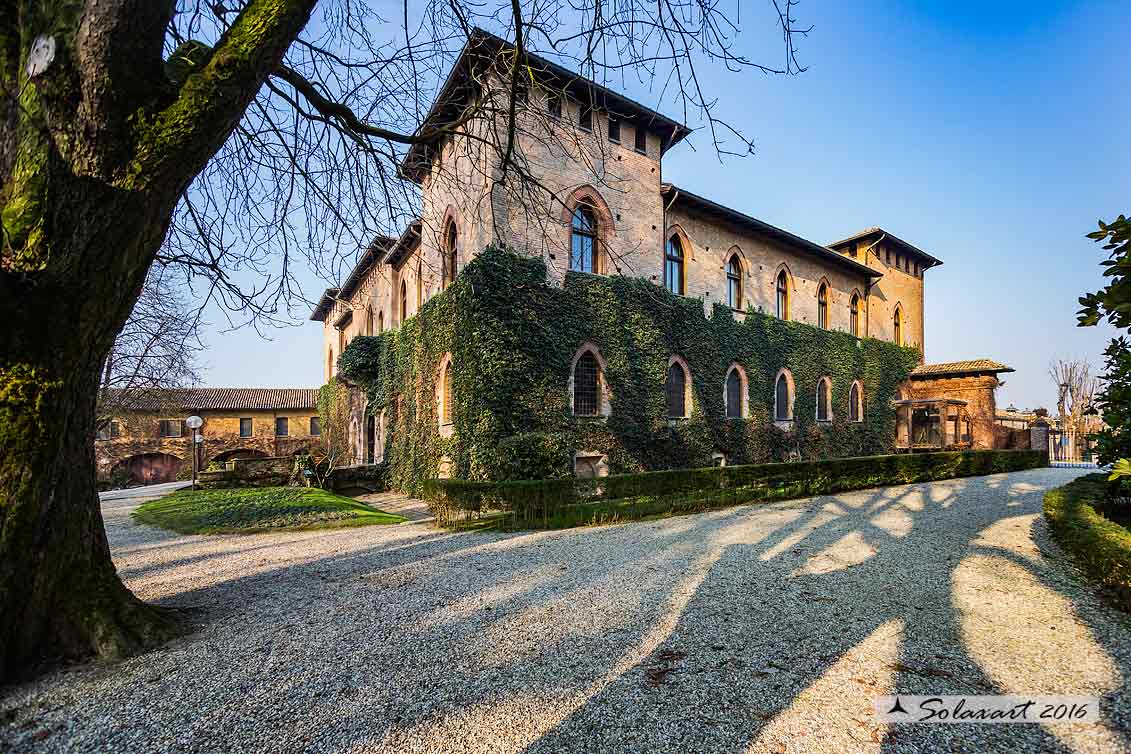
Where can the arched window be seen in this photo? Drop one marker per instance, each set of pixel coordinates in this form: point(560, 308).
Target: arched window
point(856, 403)
point(586, 386)
point(369, 319)
point(824, 400)
point(446, 394)
point(380, 322)
point(854, 316)
point(897, 327)
point(404, 301)
point(330, 363)
point(419, 283)
point(677, 389)
point(673, 265)
point(734, 283)
point(450, 255)
point(583, 240)
point(823, 306)
point(783, 397)
point(783, 295)
point(735, 393)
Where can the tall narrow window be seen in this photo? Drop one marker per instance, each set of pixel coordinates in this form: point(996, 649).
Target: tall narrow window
point(554, 104)
point(583, 240)
point(369, 319)
point(586, 385)
point(446, 395)
point(673, 266)
point(585, 116)
point(245, 427)
point(641, 140)
point(734, 395)
point(824, 401)
point(315, 426)
point(614, 129)
point(854, 316)
point(783, 399)
point(419, 283)
point(380, 322)
point(282, 426)
point(677, 391)
point(404, 301)
point(448, 263)
point(330, 363)
point(897, 327)
point(855, 403)
point(823, 306)
point(734, 283)
point(783, 295)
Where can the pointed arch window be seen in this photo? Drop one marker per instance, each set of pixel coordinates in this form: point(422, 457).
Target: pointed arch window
point(583, 240)
point(450, 255)
point(783, 397)
point(404, 300)
point(330, 363)
point(673, 265)
point(897, 327)
point(676, 389)
point(782, 295)
point(419, 283)
point(735, 393)
point(823, 306)
point(446, 394)
point(586, 385)
point(824, 400)
point(380, 322)
point(369, 319)
point(734, 283)
point(854, 315)
point(856, 403)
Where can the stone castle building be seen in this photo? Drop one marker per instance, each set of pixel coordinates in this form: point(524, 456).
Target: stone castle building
point(592, 197)
point(144, 439)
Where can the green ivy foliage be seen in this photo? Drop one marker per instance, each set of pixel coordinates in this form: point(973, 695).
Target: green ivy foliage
point(513, 336)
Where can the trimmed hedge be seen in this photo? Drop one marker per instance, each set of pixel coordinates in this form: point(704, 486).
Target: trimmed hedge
point(1075, 513)
point(556, 503)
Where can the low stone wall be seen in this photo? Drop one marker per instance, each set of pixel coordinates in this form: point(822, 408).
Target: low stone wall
point(250, 472)
point(371, 477)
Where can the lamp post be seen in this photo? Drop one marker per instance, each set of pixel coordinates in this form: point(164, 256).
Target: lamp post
point(194, 423)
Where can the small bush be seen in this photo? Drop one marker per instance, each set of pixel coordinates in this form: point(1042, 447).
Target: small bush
point(1076, 516)
point(556, 503)
point(533, 455)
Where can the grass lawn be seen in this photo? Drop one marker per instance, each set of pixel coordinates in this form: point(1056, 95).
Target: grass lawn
point(260, 509)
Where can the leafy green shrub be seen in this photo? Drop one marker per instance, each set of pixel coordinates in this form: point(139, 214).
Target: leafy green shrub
point(533, 455)
point(569, 502)
point(1075, 513)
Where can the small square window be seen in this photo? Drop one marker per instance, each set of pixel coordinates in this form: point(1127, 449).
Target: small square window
point(282, 426)
point(614, 129)
point(554, 104)
point(641, 140)
point(585, 117)
point(315, 426)
point(245, 427)
point(171, 428)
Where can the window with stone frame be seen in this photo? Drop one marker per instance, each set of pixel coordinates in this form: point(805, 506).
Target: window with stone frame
point(823, 306)
point(282, 426)
point(783, 399)
point(583, 240)
point(171, 428)
point(640, 139)
point(734, 395)
point(673, 265)
point(897, 327)
point(614, 129)
point(587, 386)
point(676, 389)
point(854, 315)
point(315, 426)
point(824, 400)
point(451, 254)
point(246, 426)
point(734, 282)
point(782, 298)
point(855, 403)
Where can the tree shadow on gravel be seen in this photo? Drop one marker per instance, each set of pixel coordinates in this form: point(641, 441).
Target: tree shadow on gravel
point(725, 631)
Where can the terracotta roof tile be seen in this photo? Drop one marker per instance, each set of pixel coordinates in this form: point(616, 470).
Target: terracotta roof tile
point(953, 368)
point(219, 399)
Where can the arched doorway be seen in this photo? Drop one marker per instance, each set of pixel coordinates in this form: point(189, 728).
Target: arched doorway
point(147, 468)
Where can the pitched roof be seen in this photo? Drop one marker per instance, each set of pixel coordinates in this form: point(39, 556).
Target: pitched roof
point(483, 47)
point(957, 368)
point(372, 255)
point(765, 229)
point(215, 399)
point(880, 232)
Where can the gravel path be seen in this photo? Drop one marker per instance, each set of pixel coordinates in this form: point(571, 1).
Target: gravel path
point(756, 629)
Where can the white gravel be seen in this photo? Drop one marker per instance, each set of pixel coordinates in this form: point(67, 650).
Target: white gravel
point(756, 629)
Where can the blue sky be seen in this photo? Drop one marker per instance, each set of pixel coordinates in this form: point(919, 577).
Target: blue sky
point(992, 135)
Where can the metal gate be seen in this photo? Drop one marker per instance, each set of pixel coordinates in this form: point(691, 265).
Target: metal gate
point(1071, 449)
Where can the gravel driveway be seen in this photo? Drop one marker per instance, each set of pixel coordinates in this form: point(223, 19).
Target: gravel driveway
point(764, 628)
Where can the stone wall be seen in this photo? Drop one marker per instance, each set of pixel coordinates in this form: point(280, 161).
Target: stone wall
point(979, 394)
point(250, 472)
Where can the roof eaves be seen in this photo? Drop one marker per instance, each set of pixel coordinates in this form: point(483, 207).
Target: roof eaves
point(322, 308)
point(772, 231)
point(932, 261)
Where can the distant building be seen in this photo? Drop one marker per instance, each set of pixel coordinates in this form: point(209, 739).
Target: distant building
point(144, 438)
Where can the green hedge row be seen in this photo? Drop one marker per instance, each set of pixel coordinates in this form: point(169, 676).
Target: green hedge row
point(555, 503)
point(1076, 516)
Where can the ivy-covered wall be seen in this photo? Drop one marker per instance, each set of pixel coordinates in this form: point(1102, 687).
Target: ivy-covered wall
point(512, 338)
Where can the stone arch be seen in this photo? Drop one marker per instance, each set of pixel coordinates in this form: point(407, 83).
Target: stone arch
point(688, 253)
point(856, 318)
point(790, 288)
point(148, 468)
point(589, 196)
point(604, 395)
point(449, 267)
point(734, 254)
point(856, 401)
point(898, 325)
point(672, 401)
point(736, 378)
point(444, 395)
point(824, 400)
point(783, 413)
point(826, 311)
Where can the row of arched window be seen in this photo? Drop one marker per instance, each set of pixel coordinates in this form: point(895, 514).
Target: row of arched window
point(589, 394)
